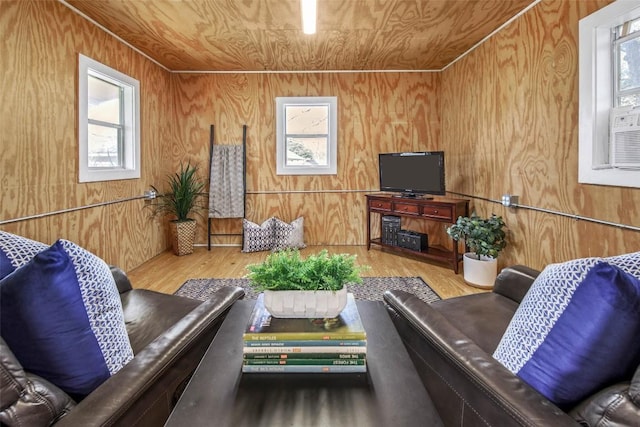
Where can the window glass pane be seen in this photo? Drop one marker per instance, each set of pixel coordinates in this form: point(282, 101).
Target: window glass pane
point(629, 100)
point(103, 147)
point(627, 28)
point(307, 120)
point(104, 100)
point(307, 151)
point(306, 135)
point(629, 57)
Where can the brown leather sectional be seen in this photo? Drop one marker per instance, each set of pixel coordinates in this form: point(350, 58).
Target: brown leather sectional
point(451, 343)
point(169, 335)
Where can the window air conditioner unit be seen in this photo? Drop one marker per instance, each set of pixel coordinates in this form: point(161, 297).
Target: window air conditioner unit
point(625, 138)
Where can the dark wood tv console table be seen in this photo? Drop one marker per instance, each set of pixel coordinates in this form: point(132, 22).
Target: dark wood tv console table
point(438, 209)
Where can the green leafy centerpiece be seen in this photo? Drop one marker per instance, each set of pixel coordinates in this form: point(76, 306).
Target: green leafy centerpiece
point(305, 287)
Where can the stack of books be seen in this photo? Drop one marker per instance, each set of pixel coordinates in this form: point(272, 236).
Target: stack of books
point(331, 345)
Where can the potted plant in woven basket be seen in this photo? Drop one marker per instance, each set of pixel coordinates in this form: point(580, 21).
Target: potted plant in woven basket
point(315, 286)
point(183, 196)
point(485, 237)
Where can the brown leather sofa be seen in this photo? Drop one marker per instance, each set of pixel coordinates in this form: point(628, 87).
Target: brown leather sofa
point(169, 335)
point(451, 343)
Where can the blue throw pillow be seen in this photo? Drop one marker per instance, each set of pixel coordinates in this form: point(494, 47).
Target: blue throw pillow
point(627, 262)
point(62, 317)
point(576, 331)
point(16, 251)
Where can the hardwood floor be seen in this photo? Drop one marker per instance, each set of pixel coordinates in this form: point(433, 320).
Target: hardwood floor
point(166, 272)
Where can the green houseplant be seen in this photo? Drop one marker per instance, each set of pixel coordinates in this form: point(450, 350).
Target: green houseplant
point(183, 197)
point(485, 238)
point(311, 287)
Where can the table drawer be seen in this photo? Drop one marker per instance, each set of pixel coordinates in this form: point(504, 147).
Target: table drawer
point(439, 212)
point(380, 205)
point(406, 208)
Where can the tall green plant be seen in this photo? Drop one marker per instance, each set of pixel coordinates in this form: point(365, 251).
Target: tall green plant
point(184, 193)
point(483, 236)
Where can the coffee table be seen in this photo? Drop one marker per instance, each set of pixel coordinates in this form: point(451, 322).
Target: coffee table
point(389, 394)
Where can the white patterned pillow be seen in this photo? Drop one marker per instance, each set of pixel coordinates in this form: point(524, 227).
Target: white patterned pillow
point(288, 236)
point(257, 237)
point(62, 317)
point(576, 329)
point(16, 251)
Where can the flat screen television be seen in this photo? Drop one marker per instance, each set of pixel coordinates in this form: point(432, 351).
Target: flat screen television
point(412, 174)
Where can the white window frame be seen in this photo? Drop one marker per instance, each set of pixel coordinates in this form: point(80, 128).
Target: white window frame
point(332, 156)
point(596, 92)
point(131, 115)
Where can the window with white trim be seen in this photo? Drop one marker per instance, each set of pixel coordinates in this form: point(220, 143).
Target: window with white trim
point(609, 91)
point(626, 50)
point(109, 123)
point(306, 135)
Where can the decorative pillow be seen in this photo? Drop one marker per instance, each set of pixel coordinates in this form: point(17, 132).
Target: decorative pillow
point(288, 236)
point(257, 237)
point(62, 317)
point(575, 331)
point(15, 251)
point(627, 262)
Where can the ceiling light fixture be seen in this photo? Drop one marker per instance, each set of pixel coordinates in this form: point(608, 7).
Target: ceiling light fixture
point(309, 9)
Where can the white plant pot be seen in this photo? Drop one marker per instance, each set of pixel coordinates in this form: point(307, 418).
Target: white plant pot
point(305, 304)
point(480, 273)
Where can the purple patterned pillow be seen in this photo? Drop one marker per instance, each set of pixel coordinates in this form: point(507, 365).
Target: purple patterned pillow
point(62, 317)
point(576, 329)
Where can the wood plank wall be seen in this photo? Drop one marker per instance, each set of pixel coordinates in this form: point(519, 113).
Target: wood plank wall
point(40, 42)
point(509, 128)
point(510, 125)
point(377, 112)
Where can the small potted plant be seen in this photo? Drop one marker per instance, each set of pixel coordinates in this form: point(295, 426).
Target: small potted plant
point(311, 287)
point(485, 237)
point(183, 197)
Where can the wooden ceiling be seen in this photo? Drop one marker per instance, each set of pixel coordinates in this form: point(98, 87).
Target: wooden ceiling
point(266, 35)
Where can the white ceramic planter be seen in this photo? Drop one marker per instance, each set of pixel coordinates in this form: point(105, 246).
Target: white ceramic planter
point(480, 273)
point(306, 304)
